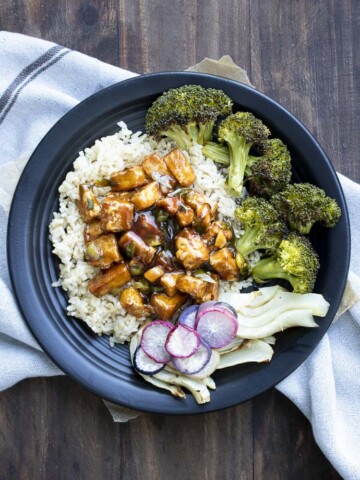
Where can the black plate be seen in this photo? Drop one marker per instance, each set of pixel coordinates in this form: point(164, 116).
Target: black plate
point(88, 358)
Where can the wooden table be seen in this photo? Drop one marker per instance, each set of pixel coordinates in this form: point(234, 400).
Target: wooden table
point(303, 53)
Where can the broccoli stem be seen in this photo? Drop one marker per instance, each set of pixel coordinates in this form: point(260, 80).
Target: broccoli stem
point(205, 132)
point(179, 136)
point(303, 229)
point(268, 268)
point(246, 244)
point(218, 153)
point(239, 153)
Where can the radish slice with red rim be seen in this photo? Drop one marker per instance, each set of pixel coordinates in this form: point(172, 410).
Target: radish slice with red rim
point(144, 364)
point(217, 326)
point(153, 340)
point(182, 341)
point(204, 306)
point(228, 307)
point(188, 316)
point(196, 362)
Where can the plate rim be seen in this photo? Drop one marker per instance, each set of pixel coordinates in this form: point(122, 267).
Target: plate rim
point(73, 112)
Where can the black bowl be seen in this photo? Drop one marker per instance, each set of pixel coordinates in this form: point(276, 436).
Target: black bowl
point(88, 358)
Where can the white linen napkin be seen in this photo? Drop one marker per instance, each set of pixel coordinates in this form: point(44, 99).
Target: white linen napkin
point(39, 83)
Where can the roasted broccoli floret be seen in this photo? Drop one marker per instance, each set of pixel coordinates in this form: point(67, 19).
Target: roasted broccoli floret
point(270, 173)
point(294, 260)
point(240, 131)
point(187, 114)
point(263, 227)
point(303, 204)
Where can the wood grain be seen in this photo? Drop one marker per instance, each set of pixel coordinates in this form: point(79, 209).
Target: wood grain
point(302, 53)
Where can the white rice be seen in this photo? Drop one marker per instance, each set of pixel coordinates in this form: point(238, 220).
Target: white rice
point(110, 154)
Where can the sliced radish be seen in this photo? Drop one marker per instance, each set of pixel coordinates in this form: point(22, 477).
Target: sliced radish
point(144, 364)
point(228, 307)
point(204, 306)
point(217, 326)
point(196, 362)
point(210, 367)
point(153, 340)
point(182, 341)
point(188, 316)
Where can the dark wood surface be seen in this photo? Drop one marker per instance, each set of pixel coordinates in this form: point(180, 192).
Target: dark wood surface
point(303, 53)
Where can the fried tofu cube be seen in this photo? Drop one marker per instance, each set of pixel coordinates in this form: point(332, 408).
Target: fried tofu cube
point(89, 206)
point(185, 216)
point(190, 249)
point(171, 205)
point(116, 214)
point(93, 230)
point(147, 196)
point(204, 210)
point(198, 288)
point(128, 179)
point(125, 195)
point(168, 281)
point(212, 291)
point(165, 259)
point(157, 170)
point(193, 286)
point(110, 280)
point(153, 274)
point(220, 240)
point(133, 302)
point(223, 261)
point(146, 227)
point(135, 247)
point(103, 251)
point(180, 167)
point(217, 229)
point(165, 306)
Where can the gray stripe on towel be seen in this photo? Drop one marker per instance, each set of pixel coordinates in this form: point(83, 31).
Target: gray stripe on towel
point(26, 76)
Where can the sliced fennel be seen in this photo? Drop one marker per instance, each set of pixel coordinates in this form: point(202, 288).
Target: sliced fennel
point(251, 351)
point(291, 318)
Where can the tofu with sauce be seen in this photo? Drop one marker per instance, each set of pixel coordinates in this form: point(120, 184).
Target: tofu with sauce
point(103, 251)
point(180, 167)
point(156, 169)
point(116, 214)
point(170, 204)
point(135, 247)
point(205, 211)
point(190, 249)
point(110, 280)
point(146, 227)
point(89, 206)
point(133, 302)
point(198, 288)
point(165, 306)
point(147, 196)
point(128, 179)
point(153, 274)
point(218, 234)
point(93, 230)
point(168, 281)
point(223, 261)
point(166, 260)
point(185, 216)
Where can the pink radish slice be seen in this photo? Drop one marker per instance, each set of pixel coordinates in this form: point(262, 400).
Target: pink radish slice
point(188, 316)
point(144, 364)
point(153, 340)
point(204, 306)
point(196, 362)
point(228, 307)
point(182, 341)
point(217, 326)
